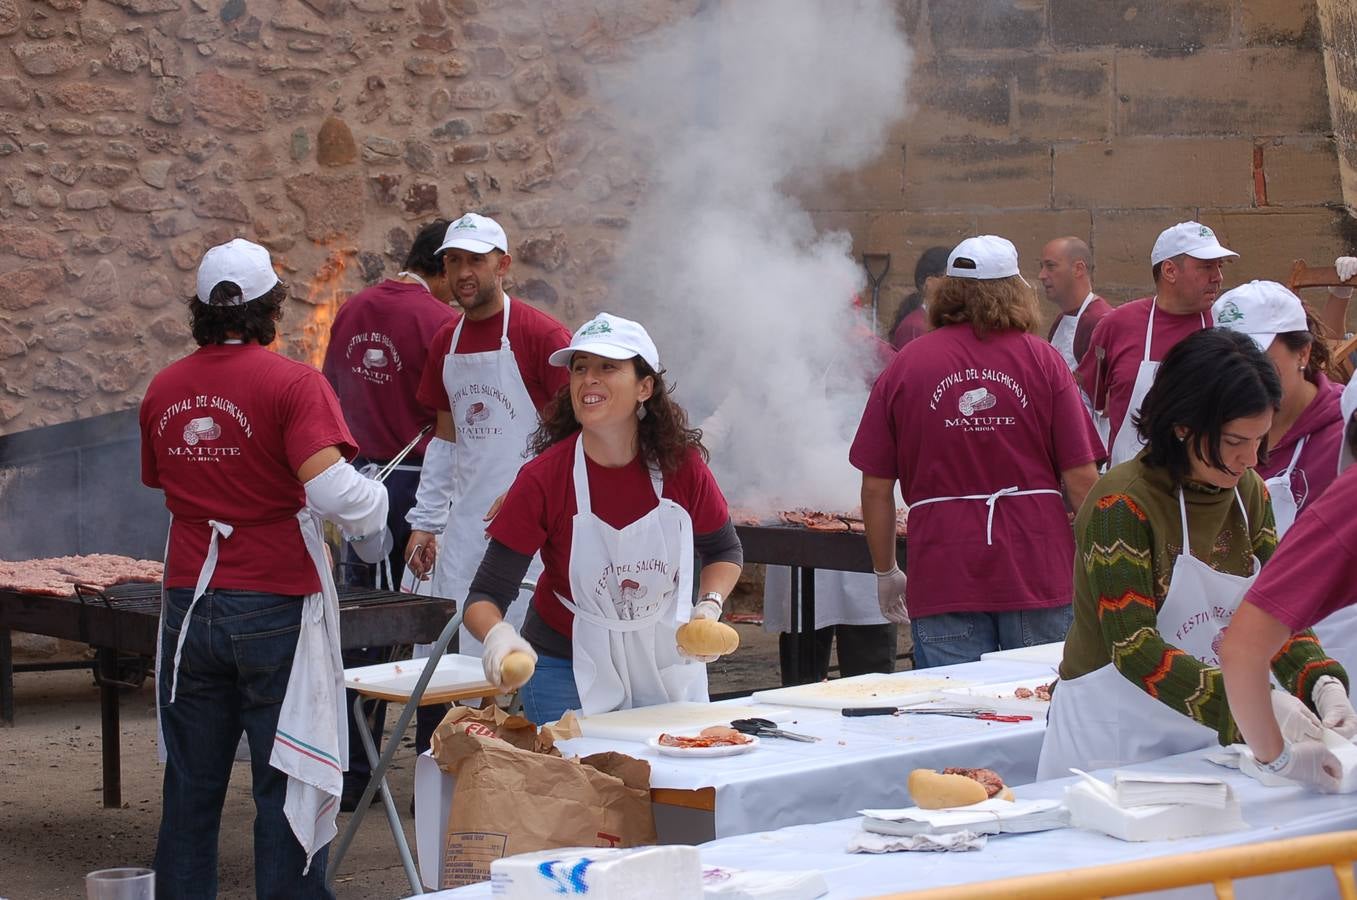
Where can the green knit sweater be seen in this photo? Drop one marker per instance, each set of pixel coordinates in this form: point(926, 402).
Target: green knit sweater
point(1128, 535)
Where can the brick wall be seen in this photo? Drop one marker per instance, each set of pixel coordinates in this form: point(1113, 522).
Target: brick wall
point(136, 133)
point(1110, 120)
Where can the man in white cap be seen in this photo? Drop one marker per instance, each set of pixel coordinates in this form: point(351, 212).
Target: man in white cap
point(488, 376)
point(250, 448)
point(1128, 343)
point(981, 424)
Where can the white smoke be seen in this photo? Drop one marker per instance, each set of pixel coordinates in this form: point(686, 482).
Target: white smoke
point(750, 306)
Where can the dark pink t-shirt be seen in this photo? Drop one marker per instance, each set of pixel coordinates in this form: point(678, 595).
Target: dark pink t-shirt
point(223, 432)
point(540, 505)
point(955, 415)
point(1120, 336)
point(1321, 424)
point(533, 336)
point(1314, 571)
point(375, 362)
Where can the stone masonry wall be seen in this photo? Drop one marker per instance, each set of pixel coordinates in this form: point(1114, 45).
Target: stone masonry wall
point(136, 133)
point(1108, 120)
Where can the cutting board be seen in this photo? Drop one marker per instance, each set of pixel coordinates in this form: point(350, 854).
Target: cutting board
point(1042, 654)
point(644, 723)
point(900, 689)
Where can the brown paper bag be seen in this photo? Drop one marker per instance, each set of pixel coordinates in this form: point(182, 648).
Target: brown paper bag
point(515, 794)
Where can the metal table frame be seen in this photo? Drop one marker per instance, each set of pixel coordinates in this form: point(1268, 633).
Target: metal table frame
point(805, 551)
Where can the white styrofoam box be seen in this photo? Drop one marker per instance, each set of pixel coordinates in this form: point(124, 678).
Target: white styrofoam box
point(657, 873)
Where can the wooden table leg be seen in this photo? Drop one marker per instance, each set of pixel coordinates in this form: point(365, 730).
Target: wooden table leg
point(109, 713)
point(6, 678)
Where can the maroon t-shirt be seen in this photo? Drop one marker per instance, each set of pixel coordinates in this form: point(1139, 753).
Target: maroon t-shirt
point(375, 361)
point(223, 432)
point(540, 505)
point(1314, 571)
point(1321, 425)
point(1110, 377)
point(533, 336)
point(955, 415)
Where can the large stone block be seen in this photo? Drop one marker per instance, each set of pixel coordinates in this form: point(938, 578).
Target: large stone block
point(1279, 22)
point(1218, 92)
point(1064, 97)
point(1268, 241)
point(977, 175)
point(877, 185)
point(1154, 172)
point(1156, 24)
point(29, 243)
point(46, 57)
point(332, 203)
point(1301, 171)
point(29, 286)
point(86, 98)
point(957, 98)
point(227, 103)
point(987, 24)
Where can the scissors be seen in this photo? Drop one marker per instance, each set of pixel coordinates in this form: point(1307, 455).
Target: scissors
point(985, 715)
point(768, 728)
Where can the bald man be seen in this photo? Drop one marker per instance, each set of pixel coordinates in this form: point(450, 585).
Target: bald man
point(1066, 275)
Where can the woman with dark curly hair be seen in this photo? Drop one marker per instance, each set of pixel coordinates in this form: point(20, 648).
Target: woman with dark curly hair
point(618, 500)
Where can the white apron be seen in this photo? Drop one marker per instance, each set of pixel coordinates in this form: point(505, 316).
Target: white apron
point(841, 598)
point(632, 588)
point(1103, 720)
point(1128, 442)
point(1284, 506)
point(1063, 339)
point(311, 742)
point(494, 416)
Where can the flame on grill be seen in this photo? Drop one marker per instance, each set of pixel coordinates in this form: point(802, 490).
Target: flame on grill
point(324, 292)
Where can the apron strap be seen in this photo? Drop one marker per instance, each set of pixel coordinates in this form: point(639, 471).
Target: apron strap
point(416, 278)
point(219, 529)
point(1182, 510)
point(1149, 326)
point(504, 335)
point(1295, 457)
point(1245, 513)
point(990, 501)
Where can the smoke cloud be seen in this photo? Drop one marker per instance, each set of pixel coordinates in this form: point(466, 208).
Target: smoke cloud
point(739, 110)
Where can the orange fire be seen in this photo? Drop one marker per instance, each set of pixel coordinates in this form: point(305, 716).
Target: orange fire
point(324, 292)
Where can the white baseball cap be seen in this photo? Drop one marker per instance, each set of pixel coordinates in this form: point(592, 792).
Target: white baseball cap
point(244, 264)
point(475, 233)
point(612, 337)
point(984, 258)
point(1348, 405)
point(1260, 309)
point(1192, 238)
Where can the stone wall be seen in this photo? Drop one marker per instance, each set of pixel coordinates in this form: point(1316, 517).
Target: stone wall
point(1110, 120)
point(135, 133)
point(1338, 32)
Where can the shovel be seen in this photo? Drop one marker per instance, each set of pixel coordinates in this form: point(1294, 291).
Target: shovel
point(869, 260)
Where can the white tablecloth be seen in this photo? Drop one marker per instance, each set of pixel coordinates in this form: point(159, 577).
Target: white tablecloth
point(860, 762)
point(1272, 814)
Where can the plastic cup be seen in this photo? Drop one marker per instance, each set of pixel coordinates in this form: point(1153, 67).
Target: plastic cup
point(120, 884)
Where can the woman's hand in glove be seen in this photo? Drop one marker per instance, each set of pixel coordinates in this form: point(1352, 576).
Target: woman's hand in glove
point(890, 595)
point(1306, 762)
point(1335, 709)
point(498, 643)
point(1295, 719)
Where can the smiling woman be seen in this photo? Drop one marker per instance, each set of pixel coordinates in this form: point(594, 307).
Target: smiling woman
point(1166, 546)
point(619, 501)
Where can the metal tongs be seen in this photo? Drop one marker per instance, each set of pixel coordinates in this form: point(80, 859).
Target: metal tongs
point(987, 715)
point(768, 728)
point(400, 457)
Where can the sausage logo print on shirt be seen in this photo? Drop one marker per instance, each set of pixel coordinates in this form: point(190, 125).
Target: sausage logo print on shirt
point(481, 411)
point(373, 357)
point(196, 422)
point(632, 599)
point(993, 404)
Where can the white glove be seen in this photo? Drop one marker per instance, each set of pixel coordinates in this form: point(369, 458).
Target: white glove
point(705, 609)
point(1335, 709)
point(1305, 762)
point(1346, 266)
point(434, 495)
point(1295, 719)
point(498, 643)
point(890, 595)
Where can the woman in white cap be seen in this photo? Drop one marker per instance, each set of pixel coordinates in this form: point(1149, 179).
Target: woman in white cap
point(1307, 430)
point(981, 424)
point(1312, 576)
point(1166, 547)
point(250, 449)
point(617, 500)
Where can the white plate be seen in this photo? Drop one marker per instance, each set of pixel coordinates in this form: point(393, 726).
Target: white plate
point(694, 752)
point(900, 689)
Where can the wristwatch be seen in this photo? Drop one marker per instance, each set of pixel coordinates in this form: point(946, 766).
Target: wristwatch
point(714, 596)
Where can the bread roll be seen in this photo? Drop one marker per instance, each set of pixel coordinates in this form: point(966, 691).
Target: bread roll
point(933, 790)
point(516, 669)
point(708, 637)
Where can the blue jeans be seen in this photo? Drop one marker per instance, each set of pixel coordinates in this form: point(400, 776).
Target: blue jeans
point(232, 677)
point(949, 638)
point(550, 691)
